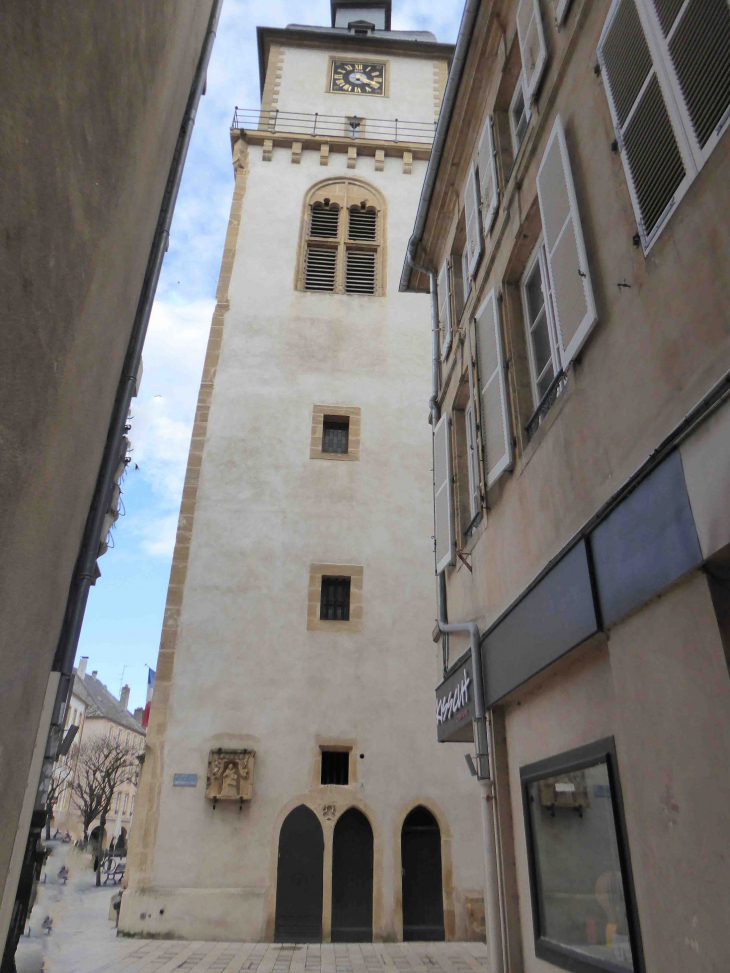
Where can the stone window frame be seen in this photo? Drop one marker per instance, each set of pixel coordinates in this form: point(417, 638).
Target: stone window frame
point(352, 571)
point(344, 192)
point(353, 413)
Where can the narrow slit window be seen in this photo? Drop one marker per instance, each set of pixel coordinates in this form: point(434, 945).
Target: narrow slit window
point(335, 434)
point(334, 603)
point(335, 767)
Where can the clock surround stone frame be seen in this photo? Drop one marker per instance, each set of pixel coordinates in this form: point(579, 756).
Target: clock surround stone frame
point(330, 90)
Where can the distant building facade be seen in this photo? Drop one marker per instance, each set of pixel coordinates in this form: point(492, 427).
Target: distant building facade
point(576, 223)
point(97, 713)
point(293, 789)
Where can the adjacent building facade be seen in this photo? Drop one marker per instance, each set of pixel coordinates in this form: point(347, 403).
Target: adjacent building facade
point(293, 789)
point(95, 99)
point(576, 222)
point(98, 713)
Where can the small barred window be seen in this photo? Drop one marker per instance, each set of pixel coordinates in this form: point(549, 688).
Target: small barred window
point(342, 251)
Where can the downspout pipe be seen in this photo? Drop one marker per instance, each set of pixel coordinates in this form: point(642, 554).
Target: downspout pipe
point(492, 906)
point(456, 70)
point(84, 573)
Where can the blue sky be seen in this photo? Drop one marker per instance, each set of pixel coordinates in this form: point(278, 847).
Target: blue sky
point(121, 630)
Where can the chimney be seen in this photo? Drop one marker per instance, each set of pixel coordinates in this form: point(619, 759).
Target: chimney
point(93, 674)
point(81, 667)
point(124, 697)
point(138, 714)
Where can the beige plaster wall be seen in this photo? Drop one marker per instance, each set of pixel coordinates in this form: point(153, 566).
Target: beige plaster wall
point(238, 665)
point(304, 86)
point(93, 98)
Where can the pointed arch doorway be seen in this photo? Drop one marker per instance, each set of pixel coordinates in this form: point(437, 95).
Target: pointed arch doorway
point(423, 900)
point(352, 879)
point(299, 878)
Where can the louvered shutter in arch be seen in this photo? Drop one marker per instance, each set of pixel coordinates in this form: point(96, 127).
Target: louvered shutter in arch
point(320, 268)
point(443, 288)
point(533, 48)
point(694, 39)
point(495, 425)
point(443, 500)
point(657, 164)
point(362, 224)
point(488, 184)
point(360, 271)
point(570, 278)
point(324, 221)
point(471, 218)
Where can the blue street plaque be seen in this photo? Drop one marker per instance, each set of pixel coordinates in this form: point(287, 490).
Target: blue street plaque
point(184, 780)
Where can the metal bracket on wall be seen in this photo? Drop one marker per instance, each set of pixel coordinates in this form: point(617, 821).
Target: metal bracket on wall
point(463, 555)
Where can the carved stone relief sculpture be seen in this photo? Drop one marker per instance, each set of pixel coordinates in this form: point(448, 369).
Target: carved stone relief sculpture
point(230, 775)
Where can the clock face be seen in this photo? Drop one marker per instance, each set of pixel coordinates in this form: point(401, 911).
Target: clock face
point(358, 77)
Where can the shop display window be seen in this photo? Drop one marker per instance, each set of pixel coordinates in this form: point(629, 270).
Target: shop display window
point(584, 909)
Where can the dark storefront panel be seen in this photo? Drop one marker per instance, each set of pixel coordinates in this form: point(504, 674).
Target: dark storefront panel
point(553, 618)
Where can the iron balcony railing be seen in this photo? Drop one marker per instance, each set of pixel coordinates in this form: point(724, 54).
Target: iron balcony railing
point(332, 126)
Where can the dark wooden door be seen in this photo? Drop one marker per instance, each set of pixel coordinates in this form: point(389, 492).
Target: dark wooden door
point(352, 879)
point(299, 878)
point(423, 903)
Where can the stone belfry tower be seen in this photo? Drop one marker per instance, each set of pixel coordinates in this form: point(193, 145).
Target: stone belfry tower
point(293, 789)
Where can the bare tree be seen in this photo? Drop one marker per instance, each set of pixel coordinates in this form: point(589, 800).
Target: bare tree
point(61, 773)
point(102, 766)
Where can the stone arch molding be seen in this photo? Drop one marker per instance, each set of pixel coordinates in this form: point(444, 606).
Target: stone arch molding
point(343, 192)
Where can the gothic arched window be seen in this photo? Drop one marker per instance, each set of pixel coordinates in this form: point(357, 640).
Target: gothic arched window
point(343, 239)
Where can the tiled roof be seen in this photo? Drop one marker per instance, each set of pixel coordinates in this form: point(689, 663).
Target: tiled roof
point(101, 703)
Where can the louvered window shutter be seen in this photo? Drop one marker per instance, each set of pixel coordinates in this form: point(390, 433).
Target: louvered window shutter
point(495, 422)
point(443, 287)
point(694, 39)
point(363, 224)
point(473, 223)
point(532, 44)
point(488, 185)
point(443, 495)
point(360, 272)
point(656, 167)
point(570, 279)
point(561, 10)
point(324, 221)
point(320, 268)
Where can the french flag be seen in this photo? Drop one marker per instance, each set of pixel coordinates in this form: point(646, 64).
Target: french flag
point(150, 688)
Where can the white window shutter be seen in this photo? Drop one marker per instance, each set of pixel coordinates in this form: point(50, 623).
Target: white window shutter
point(495, 425)
point(561, 10)
point(471, 214)
point(654, 152)
point(472, 454)
point(443, 499)
point(443, 287)
point(570, 279)
point(532, 45)
point(488, 184)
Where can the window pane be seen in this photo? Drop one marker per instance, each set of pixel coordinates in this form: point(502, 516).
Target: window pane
point(534, 294)
point(581, 898)
point(335, 435)
point(541, 344)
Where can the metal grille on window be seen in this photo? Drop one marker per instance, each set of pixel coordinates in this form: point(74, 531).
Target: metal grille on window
point(320, 271)
point(334, 603)
point(335, 767)
point(360, 272)
point(335, 435)
point(324, 221)
point(363, 224)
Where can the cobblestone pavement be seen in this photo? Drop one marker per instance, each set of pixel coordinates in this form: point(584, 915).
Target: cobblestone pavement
point(84, 940)
point(153, 956)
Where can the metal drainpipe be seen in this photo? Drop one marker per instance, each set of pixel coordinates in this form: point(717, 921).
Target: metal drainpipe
point(492, 902)
point(86, 561)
